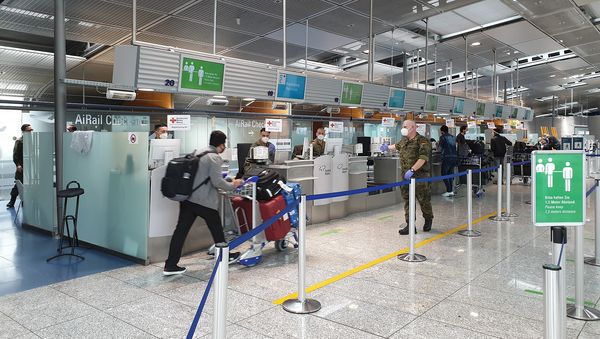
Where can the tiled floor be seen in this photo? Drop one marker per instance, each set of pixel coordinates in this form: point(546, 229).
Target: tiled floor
point(486, 287)
point(23, 256)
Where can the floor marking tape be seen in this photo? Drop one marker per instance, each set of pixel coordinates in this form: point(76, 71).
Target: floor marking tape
point(379, 260)
point(569, 299)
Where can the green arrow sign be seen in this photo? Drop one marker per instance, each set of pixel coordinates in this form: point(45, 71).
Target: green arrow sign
point(558, 188)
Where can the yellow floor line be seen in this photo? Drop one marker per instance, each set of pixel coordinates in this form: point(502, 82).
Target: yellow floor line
point(379, 261)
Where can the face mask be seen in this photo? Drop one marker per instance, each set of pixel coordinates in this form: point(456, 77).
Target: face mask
point(163, 136)
point(264, 139)
point(320, 137)
point(404, 132)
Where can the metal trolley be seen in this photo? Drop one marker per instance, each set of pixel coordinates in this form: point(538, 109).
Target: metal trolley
point(523, 171)
point(473, 162)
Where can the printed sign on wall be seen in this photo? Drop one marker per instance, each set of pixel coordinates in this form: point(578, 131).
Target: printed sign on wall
point(274, 125)
point(388, 122)
point(179, 122)
point(198, 75)
point(336, 126)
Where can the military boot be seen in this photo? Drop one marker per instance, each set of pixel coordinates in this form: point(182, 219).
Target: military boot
point(427, 225)
point(405, 229)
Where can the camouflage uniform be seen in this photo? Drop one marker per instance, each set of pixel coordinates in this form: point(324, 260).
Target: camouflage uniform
point(411, 151)
point(318, 147)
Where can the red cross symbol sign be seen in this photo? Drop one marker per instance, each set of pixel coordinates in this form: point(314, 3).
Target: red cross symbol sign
point(269, 123)
point(332, 125)
point(173, 120)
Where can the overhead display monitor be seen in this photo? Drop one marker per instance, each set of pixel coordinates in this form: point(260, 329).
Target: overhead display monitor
point(528, 114)
point(480, 110)
point(352, 93)
point(200, 75)
point(397, 98)
point(290, 86)
point(498, 111)
point(514, 112)
point(431, 103)
point(459, 106)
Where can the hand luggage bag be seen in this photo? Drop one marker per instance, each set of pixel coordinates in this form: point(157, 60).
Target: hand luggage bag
point(267, 185)
point(280, 228)
point(290, 198)
point(243, 212)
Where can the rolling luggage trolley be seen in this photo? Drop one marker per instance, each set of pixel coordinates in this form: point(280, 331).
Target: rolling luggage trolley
point(472, 162)
point(245, 210)
point(524, 171)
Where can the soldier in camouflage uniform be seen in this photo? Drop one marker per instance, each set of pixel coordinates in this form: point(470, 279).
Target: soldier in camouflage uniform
point(319, 144)
point(414, 152)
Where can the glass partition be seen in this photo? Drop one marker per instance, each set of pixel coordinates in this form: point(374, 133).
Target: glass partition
point(113, 211)
point(39, 198)
point(198, 135)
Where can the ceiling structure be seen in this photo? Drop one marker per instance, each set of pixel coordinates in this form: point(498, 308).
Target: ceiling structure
point(522, 32)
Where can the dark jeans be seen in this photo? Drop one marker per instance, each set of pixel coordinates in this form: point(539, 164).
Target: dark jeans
point(14, 193)
point(448, 166)
point(188, 211)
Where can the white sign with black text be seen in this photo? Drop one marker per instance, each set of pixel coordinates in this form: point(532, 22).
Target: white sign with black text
point(179, 122)
point(274, 125)
point(336, 126)
point(388, 122)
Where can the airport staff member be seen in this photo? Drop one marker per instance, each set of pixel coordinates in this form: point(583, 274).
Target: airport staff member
point(318, 143)
point(202, 203)
point(461, 143)
point(414, 150)
point(262, 141)
point(18, 160)
point(160, 132)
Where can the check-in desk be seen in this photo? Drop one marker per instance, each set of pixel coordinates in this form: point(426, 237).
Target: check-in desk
point(386, 171)
point(437, 187)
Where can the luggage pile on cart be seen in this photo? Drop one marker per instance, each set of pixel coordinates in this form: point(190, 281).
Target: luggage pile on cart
point(259, 201)
point(521, 153)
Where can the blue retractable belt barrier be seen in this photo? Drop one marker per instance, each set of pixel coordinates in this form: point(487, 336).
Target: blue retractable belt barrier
point(192, 329)
point(356, 191)
point(592, 155)
point(487, 169)
point(521, 163)
point(254, 231)
point(442, 177)
point(591, 190)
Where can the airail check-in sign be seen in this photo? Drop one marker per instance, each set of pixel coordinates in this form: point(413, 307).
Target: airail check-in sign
point(558, 188)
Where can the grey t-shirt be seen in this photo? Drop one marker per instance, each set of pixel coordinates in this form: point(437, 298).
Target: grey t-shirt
point(210, 166)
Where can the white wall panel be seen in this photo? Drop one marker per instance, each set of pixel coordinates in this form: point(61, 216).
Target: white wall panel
point(375, 96)
point(323, 90)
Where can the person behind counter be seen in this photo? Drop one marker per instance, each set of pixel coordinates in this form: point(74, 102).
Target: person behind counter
point(318, 143)
point(449, 158)
point(202, 203)
point(160, 132)
point(264, 142)
point(18, 160)
point(414, 152)
point(461, 143)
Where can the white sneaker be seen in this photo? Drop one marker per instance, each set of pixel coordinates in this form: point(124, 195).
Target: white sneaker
point(448, 194)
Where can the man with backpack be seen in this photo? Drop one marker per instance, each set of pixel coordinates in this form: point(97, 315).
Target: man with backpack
point(202, 202)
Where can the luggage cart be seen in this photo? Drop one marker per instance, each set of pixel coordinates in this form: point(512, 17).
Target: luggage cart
point(523, 171)
point(472, 162)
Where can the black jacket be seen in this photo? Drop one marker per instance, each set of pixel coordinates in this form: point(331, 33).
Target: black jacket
point(498, 145)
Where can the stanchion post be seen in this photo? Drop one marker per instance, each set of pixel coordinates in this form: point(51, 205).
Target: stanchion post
point(302, 305)
point(220, 314)
point(578, 310)
point(499, 216)
point(595, 260)
point(554, 317)
point(558, 236)
point(411, 256)
point(469, 232)
point(508, 195)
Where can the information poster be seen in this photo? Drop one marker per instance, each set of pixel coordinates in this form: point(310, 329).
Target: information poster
point(558, 188)
point(422, 129)
point(471, 124)
point(336, 126)
point(290, 86)
point(431, 103)
point(339, 175)
point(450, 123)
point(322, 174)
point(274, 125)
point(397, 98)
point(578, 143)
point(499, 109)
point(179, 122)
point(198, 75)
point(388, 122)
point(351, 93)
point(459, 106)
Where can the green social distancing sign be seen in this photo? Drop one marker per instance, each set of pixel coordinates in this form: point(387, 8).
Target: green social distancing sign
point(198, 75)
point(558, 188)
point(351, 93)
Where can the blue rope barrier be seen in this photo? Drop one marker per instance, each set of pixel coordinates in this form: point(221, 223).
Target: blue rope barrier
point(194, 324)
point(592, 155)
point(254, 231)
point(521, 163)
point(591, 190)
point(442, 177)
point(487, 169)
point(356, 191)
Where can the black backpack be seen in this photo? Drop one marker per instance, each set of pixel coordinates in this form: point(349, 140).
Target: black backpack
point(178, 182)
point(267, 185)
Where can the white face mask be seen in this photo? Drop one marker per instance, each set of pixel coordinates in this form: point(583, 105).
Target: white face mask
point(264, 139)
point(163, 136)
point(320, 137)
point(404, 131)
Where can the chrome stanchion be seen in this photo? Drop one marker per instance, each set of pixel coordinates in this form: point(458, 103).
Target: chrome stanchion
point(469, 232)
point(220, 313)
point(499, 216)
point(578, 310)
point(554, 315)
point(595, 260)
point(558, 236)
point(411, 256)
point(302, 305)
point(508, 197)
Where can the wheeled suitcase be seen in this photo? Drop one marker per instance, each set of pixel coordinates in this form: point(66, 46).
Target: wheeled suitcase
point(242, 209)
point(267, 185)
point(280, 228)
point(291, 197)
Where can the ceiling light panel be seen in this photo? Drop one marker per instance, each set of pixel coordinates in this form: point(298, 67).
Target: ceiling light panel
point(515, 33)
point(487, 11)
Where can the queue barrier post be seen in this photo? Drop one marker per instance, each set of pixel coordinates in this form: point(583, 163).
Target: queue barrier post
point(302, 305)
point(558, 237)
point(469, 232)
point(508, 196)
point(411, 256)
point(554, 315)
point(578, 310)
point(595, 260)
point(499, 216)
point(220, 292)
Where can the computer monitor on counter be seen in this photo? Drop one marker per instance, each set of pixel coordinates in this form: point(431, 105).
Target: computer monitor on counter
point(162, 151)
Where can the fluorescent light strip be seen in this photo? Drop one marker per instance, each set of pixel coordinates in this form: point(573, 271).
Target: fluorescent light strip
point(477, 28)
